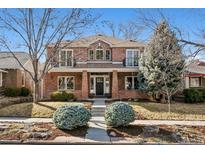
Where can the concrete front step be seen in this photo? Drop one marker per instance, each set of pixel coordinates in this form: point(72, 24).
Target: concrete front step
point(98, 114)
point(97, 110)
point(99, 106)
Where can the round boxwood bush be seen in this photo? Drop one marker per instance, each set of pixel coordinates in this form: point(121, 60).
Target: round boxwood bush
point(12, 92)
point(70, 117)
point(25, 91)
point(119, 114)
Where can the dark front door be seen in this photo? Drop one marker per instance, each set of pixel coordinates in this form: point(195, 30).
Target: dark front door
point(99, 85)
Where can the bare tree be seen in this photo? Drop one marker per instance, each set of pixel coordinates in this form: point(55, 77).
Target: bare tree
point(151, 18)
point(129, 30)
point(36, 29)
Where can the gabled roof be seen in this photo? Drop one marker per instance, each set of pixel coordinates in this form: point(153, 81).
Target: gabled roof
point(112, 41)
point(196, 67)
point(7, 61)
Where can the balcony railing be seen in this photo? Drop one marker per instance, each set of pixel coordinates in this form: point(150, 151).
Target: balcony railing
point(131, 62)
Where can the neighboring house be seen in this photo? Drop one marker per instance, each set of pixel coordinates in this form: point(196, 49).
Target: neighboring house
point(96, 66)
point(11, 73)
point(195, 74)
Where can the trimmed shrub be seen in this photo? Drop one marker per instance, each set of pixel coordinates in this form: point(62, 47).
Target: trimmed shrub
point(12, 92)
point(194, 95)
point(25, 91)
point(119, 114)
point(71, 96)
point(70, 117)
point(62, 96)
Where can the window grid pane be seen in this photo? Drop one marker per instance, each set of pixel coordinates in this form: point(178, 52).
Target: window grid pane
point(61, 83)
point(70, 83)
point(63, 58)
point(194, 82)
point(99, 54)
point(91, 54)
point(69, 58)
point(108, 55)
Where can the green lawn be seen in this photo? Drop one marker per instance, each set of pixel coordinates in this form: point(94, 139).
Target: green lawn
point(179, 111)
point(40, 110)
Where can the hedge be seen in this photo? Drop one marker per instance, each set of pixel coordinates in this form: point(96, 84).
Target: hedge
point(62, 96)
point(14, 92)
point(194, 95)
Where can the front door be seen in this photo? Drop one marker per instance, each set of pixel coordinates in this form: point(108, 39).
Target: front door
point(99, 85)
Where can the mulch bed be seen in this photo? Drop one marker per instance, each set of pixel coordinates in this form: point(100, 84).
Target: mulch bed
point(164, 134)
point(20, 131)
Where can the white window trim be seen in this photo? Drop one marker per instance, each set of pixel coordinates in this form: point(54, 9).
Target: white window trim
point(89, 54)
point(103, 58)
point(133, 82)
point(1, 79)
point(66, 83)
point(66, 57)
point(133, 50)
point(110, 57)
point(200, 82)
point(24, 77)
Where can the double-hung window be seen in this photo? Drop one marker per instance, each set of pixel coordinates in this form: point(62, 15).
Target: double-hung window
point(131, 57)
point(131, 82)
point(23, 79)
point(66, 58)
point(107, 55)
point(91, 54)
point(1, 79)
point(99, 54)
point(195, 82)
point(66, 83)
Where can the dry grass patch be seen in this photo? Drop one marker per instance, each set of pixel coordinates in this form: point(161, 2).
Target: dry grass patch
point(179, 111)
point(40, 110)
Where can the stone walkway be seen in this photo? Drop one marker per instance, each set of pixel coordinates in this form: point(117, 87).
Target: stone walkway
point(97, 127)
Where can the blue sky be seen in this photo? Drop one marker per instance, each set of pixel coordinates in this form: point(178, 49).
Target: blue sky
point(188, 20)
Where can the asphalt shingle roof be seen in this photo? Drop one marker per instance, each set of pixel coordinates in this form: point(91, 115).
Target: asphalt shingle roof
point(7, 61)
point(114, 42)
point(196, 67)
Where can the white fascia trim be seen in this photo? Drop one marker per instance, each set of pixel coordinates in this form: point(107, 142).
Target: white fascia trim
point(94, 69)
point(81, 62)
point(100, 40)
point(117, 62)
point(99, 62)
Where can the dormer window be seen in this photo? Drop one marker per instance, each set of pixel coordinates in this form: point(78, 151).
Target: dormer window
point(66, 58)
point(108, 55)
point(99, 54)
point(91, 54)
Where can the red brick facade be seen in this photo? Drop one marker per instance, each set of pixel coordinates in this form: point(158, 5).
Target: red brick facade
point(117, 74)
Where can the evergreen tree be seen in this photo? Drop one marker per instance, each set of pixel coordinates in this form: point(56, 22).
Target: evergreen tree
point(163, 63)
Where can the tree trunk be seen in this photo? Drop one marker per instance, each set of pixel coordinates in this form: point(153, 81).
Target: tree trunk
point(36, 92)
point(169, 103)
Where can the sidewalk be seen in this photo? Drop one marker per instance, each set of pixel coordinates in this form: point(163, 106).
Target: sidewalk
point(101, 119)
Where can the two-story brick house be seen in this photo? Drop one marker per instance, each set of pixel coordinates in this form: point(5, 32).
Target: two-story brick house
point(96, 66)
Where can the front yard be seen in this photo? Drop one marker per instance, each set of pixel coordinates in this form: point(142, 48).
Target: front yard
point(160, 134)
point(159, 111)
point(37, 131)
point(40, 110)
